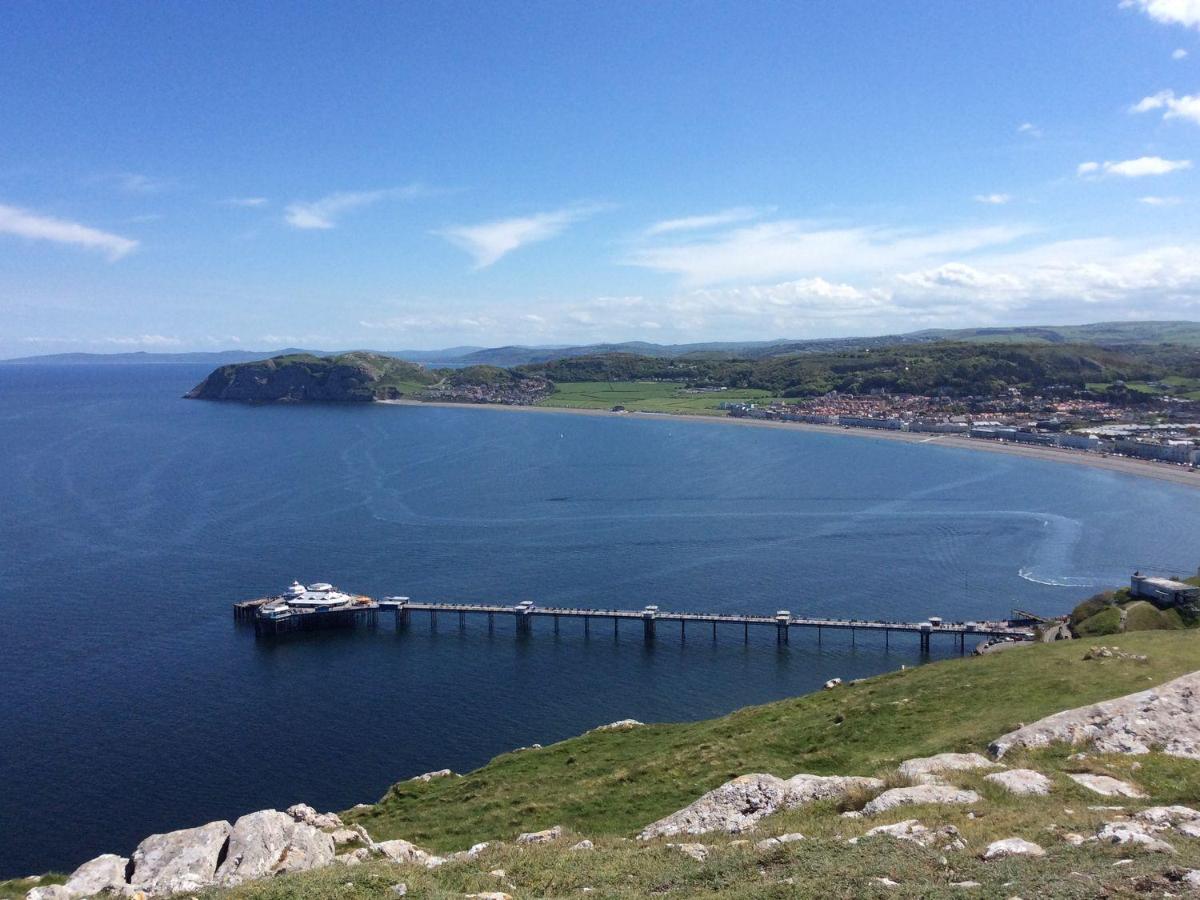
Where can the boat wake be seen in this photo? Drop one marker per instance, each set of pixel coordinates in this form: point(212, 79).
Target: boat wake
point(1062, 580)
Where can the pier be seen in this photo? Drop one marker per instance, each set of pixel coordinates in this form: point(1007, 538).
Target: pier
point(270, 616)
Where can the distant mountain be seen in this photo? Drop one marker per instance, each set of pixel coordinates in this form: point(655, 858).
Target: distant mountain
point(1104, 334)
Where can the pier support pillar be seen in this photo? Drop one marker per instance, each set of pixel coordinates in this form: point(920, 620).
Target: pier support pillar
point(556, 624)
point(683, 629)
point(616, 622)
point(745, 632)
point(925, 643)
point(524, 622)
point(647, 627)
point(587, 626)
point(462, 621)
point(714, 632)
point(491, 622)
point(403, 617)
point(781, 632)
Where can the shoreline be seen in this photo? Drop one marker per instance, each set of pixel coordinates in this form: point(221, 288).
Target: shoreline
point(1119, 464)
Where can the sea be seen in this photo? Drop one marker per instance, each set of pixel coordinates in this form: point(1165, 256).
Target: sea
point(131, 519)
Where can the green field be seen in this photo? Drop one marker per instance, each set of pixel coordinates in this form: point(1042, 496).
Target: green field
point(646, 396)
point(1176, 386)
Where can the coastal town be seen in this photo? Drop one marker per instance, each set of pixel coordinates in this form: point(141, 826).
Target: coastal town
point(1166, 432)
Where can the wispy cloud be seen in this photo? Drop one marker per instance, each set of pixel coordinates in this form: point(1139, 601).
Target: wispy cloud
point(137, 183)
point(1160, 201)
point(247, 202)
point(993, 199)
point(1179, 53)
point(26, 224)
point(1168, 12)
point(1028, 128)
point(1185, 107)
point(324, 213)
point(488, 242)
point(1133, 168)
point(795, 248)
point(711, 220)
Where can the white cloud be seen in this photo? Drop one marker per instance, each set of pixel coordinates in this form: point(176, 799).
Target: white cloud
point(1030, 129)
point(1160, 201)
point(143, 340)
point(792, 248)
point(712, 220)
point(1134, 168)
point(247, 202)
point(1180, 53)
point(1168, 12)
point(993, 199)
point(323, 213)
point(1185, 107)
point(488, 242)
point(26, 224)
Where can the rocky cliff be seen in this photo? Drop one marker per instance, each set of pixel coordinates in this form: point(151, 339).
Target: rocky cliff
point(349, 377)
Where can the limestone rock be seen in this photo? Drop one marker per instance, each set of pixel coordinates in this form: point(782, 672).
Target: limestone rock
point(945, 838)
point(401, 851)
point(1012, 847)
point(354, 857)
point(697, 852)
point(50, 892)
point(469, 854)
point(489, 895)
point(733, 807)
point(178, 861)
point(426, 777)
point(919, 794)
point(584, 845)
point(1167, 816)
point(803, 789)
point(944, 762)
point(104, 874)
point(268, 842)
point(345, 836)
point(1023, 782)
point(400, 890)
point(1106, 786)
point(302, 812)
point(540, 837)
point(772, 842)
point(1192, 878)
point(1166, 717)
point(1132, 833)
point(620, 725)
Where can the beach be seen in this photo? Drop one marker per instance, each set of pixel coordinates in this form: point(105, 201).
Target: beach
point(1120, 464)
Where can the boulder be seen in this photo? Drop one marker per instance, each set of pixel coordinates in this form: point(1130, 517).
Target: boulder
point(1106, 786)
point(50, 892)
point(584, 845)
point(102, 875)
point(919, 794)
point(1165, 718)
point(945, 838)
point(345, 836)
point(354, 857)
point(1132, 833)
point(1023, 782)
point(944, 762)
point(697, 852)
point(302, 812)
point(430, 776)
point(268, 842)
point(540, 837)
point(1167, 816)
point(803, 789)
point(179, 861)
point(620, 725)
point(733, 807)
point(400, 851)
point(772, 842)
point(1012, 847)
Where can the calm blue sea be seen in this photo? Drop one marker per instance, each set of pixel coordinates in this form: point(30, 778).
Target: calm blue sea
point(131, 519)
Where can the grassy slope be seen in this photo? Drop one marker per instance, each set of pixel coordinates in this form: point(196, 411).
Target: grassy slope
point(644, 396)
point(614, 783)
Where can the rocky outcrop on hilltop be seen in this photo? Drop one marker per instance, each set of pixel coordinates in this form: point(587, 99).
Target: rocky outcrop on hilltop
point(1165, 718)
point(350, 377)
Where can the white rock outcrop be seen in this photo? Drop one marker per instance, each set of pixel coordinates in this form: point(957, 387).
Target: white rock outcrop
point(1012, 847)
point(1167, 816)
point(772, 842)
point(1023, 782)
point(919, 794)
point(302, 812)
point(945, 838)
point(50, 892)
point(584, 845)
point(943, 762)
point(1132, 833)
point(1106, 786)
point(267, 843)
point(1165, 718)
point(401, 851)
point(620, 725)
point(427, 777)
point(697, 852)
point(737, 805)
point(102, 875)
point(540, 837)
point(179, 861)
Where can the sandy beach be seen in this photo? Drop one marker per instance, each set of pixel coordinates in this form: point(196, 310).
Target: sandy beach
point(1136, 467)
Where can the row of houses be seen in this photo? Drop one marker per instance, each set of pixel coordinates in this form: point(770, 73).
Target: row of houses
point(1178, 451)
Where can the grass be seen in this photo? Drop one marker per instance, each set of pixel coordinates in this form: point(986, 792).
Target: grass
point(613, 783)
point(646, 396)
point(606, 785)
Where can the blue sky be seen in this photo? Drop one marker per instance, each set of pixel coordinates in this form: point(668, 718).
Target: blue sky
point(182, 176)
